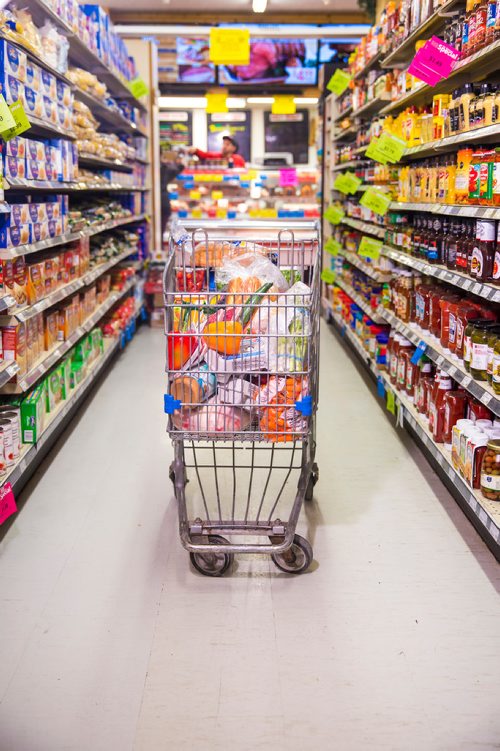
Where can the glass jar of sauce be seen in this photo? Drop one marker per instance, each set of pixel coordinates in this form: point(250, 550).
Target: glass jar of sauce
point(490, 471)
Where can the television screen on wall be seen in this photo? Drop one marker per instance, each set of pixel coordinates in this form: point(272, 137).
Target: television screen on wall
point(193, 65)
point(276, 62)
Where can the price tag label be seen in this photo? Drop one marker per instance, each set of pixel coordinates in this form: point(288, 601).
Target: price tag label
point(370, 248)
point(288, 178)
point(339, 82)
point(21, 122)
point(7, 120)
point(217, 195)
point(138, 88)
point(372, 152)
point(391, 402)
point(216, 103)
point(376, 201)
point(7, 502)
point(332, 246)
point(195, 195)
point(196, 213)
point(284, 105)
point(347, 183)
point(328, 276)
point(486, 398)
point(391, 147)
point(221, 213)
point(334, 214)
point(434, 61)
point(229, 46)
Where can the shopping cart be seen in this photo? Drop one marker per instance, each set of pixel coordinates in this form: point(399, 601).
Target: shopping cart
point(242, 328)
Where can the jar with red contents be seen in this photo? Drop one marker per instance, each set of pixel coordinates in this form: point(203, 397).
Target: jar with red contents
point(446, 302)
point(435, 296)
point(411, 381)
point(393, 369)
point(437, 406)
point(477, 410)
point(406, 350)
point(455, 408)
point(422, 294)
point(423, 386)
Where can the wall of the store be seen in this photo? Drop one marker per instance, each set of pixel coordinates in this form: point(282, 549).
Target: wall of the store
point(257, 132)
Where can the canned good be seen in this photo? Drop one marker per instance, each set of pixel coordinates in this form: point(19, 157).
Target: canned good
point(14, 420)
point(6, 428)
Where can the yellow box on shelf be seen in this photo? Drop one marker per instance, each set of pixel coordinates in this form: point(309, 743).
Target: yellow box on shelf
point(217, 195)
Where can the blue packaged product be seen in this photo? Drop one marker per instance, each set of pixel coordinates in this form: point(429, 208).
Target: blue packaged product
point(13, 61)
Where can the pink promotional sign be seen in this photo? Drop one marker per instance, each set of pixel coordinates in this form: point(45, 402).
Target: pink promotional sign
point(288, 178)
point(7, 502)
point(434, 61)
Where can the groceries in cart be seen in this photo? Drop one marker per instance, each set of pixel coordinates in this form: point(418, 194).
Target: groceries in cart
point(238, 340)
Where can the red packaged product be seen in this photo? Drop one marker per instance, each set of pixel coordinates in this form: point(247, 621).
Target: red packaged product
point(455, 408)
point(466, 311)
point(406, 350)
point(477, 410)
point(437, 406)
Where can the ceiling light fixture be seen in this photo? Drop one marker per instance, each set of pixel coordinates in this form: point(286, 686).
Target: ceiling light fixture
point(182, 102)
point(259, 6)
point(236, 103)
point(306, 100)
point(260, 100)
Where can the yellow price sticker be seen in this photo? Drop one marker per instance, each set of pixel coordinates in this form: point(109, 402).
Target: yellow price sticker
point(138, 88)
point(328, 276)
point(334, 214)
point(217, 195)
point(284, 105)
point(370, 248)
point(376, 201)
point(339, 82)
point(229, 47)
point(252, 174)
point(196, 213)
point(195, 195)
point(332, 246)
point(21, 122)
point(7, 120)
point(221, 213)
point(216, 103)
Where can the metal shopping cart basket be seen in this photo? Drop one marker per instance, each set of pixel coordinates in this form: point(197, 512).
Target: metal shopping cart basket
point(242, 329)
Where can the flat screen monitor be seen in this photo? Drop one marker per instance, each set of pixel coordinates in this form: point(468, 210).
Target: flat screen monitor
point(193, 64)
point(276, 62)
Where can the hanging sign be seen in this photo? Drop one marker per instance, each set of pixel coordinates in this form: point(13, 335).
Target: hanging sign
point(334, 214)
point(216, 103)
point(339, 82)
point(328, 276)
point(332, 246)
point(288, 178)
point(283, 105)
point(7, 502)
point(391, 147)
point(370, 248)
point(7, 120)
point(347, 183)
point(21, 122)
point(434, 61)
point(229, 47)
point(375, 200)
point(372, 152)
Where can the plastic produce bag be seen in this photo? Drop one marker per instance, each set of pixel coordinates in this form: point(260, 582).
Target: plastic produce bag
point(236, 271)
point(212, 419)
point(289, 330)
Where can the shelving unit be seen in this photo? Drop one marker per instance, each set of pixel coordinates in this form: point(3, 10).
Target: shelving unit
point(479, 212)
point(366, 227)
point(365, 306)
point(488, 134)
point(355, 260)
point(484, 514)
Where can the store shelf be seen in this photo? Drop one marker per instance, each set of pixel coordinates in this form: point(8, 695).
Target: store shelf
point(45, 129)
point(406, 50)
point(367, 227)
point(68, 289)
point(54, 186)
point(361, 149)
point(343, 115)
point(54, 242)
point(38, 60)
point(88, 160)
point(455, 278)
point(471, 68)
point(49, 360)
point(365, 306)
point(8, 369)
point(347, 134)
point(489, 134)
point(444, 360)
point(444, 209)
point(371, 107)
point(352, 164)
point(79, 54)
point(355, 260)
point(110, 119)
point(32, 453)
point(372, 62)
point(483, 513)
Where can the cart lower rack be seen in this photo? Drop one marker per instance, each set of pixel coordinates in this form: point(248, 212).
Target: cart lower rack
point(242, 330)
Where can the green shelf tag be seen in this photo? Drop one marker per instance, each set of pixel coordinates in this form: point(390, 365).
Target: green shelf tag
point(372, 152)
point(20, 119)
point(138, 88)
point(375, 200)
point(391, 147)
point(390, 403)
point(370, 248)
point(334, 214)
point(7, 119)
point(339, 82)
point(332, 246)
point(328, 276)
point(347, 183)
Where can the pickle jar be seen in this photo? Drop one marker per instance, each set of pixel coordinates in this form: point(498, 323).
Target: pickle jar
point(490, 471)
point(478, 335)
point(495, 367)
point(493, 338)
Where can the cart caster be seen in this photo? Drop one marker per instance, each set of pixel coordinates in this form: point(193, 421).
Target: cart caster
point(313, 479)
point(212, 564)
point(296, 559)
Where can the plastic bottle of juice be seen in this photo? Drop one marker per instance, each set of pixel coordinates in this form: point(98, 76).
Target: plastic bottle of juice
point(464, 159)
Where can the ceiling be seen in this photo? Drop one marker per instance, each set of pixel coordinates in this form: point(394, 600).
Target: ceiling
point(122, 8)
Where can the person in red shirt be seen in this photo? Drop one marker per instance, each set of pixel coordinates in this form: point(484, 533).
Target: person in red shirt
point(229, 152)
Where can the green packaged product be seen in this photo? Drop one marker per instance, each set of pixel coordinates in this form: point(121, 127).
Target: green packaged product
point(76, 373)
point(33, 415)
point(54, 393)
point(66, 377)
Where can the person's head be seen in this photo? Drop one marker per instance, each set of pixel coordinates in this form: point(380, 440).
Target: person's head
point(229, 146)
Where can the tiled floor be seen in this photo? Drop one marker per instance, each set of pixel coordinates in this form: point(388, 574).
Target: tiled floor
point(109, 641)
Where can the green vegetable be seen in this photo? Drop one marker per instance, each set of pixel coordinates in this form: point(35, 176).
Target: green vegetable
point(253, 302)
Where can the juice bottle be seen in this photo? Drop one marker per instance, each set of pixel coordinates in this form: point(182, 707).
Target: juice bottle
point(464, 159)
point(449, 181)
point(472, 27)
point(466, 95)
point(464, 45)
point(481, 15)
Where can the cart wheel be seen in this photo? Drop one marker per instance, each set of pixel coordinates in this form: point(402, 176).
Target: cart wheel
point(212, 564)
point(296, 559)
point(313, 479)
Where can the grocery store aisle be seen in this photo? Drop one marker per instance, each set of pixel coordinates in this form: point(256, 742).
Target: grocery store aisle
point(109, 641)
